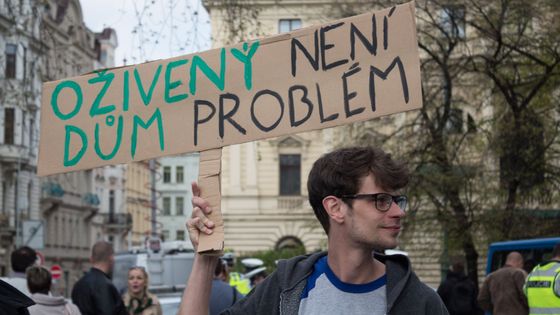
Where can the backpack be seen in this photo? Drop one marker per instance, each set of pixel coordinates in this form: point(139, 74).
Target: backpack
point(461, 298)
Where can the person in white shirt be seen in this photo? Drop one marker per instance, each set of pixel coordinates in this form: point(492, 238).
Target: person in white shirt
point(21, 259)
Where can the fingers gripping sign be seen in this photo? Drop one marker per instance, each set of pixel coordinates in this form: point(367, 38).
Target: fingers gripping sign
point(206, 226)
point(199, 222)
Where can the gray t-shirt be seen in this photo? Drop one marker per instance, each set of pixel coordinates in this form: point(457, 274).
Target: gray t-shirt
point(326, 294)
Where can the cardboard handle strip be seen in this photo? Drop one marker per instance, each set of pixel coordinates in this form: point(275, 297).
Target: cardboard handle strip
point(210, 170)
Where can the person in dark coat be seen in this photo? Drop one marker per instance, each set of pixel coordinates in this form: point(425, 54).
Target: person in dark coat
point(458, 292)
point(94, 293)
point(13, 301)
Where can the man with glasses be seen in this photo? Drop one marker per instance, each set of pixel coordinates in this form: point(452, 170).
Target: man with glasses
point(354, 194)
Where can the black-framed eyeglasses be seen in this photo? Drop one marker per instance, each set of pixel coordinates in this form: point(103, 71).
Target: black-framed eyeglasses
point(383, 201)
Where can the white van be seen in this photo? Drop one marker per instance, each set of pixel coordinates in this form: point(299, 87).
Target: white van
point(169, 268)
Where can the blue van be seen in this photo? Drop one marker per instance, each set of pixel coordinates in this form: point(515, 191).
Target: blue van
point(534, 251)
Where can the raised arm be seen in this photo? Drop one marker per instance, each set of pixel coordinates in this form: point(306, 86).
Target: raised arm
point(197, 294)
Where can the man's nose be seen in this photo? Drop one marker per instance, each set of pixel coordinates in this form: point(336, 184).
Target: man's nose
point(396, 211)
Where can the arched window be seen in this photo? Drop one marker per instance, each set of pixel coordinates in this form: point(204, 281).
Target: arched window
point(288, 242)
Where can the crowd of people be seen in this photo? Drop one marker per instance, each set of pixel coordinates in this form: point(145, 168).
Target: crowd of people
point(354, 194)
point(28, 288)
point(509, 290)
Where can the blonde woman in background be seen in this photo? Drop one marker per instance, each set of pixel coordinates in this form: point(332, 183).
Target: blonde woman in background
point(137, 299)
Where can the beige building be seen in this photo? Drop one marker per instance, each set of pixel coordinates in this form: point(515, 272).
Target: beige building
point(138, 202)
point(264, 192)
point(264, 183)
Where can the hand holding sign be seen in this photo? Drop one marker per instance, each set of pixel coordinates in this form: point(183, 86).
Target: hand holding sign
point(199, 222)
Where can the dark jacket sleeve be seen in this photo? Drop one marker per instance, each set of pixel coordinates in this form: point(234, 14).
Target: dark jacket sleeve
point(260, 298)
point(12, 301)
point(434, 305)
point(444, 290)
point(519, 278)
point(484, 299)
point(105, 303)
point(81, 297)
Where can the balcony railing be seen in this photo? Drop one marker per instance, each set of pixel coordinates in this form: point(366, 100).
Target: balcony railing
point(117, 220)
point(4, 221)
point(52, 190)
point(291, 202)
point(91, 199)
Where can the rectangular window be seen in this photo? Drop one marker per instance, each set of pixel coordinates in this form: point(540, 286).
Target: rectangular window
point(24, 63)
point(29, 198)
point(165, 235)
point(167, 174)
point(11, 51)
point(4, 197)
point(9, 118)
point(103, 57)
point(179, 174)
point(452, 19)
point(166, 205)
point(111, 205)
point(180, 235)
point(290, 174)
point(31, 133)
point(529, 165)
point(288, 25)
point(179, 206)
point(23, 117)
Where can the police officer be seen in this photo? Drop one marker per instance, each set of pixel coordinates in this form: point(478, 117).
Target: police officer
point(543, 286)
point(236, 279)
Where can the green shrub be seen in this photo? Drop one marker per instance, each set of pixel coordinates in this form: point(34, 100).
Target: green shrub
point(269, 257)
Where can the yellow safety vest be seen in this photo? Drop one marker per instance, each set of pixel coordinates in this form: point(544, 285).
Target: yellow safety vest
point(543, 289)
point(239, 282)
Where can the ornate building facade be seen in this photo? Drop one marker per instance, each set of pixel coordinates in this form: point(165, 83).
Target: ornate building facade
point(45, 41)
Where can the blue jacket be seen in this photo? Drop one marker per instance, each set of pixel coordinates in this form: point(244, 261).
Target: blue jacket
point(280, 293)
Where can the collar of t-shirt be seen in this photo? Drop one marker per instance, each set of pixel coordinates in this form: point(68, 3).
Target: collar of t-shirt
point(322, 267)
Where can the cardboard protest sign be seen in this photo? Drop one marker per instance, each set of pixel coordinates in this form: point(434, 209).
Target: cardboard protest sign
point(209, 182)
point(341, 72)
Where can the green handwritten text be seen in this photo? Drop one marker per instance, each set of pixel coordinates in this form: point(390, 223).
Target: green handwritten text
point(73, 161)
point(147, 97)
point(79, 99)
point(103, 76)
point(172, 85)
point(246, 59)
point(219, 81)
point(117, 142)
point(137, 121)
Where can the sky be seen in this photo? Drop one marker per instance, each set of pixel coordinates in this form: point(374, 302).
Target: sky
point(150, 29)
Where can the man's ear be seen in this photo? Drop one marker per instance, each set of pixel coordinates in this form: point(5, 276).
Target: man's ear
point(334, 208)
